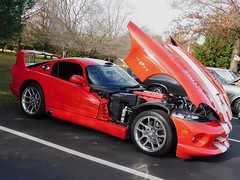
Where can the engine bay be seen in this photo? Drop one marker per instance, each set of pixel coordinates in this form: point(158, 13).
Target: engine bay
point(122, 105)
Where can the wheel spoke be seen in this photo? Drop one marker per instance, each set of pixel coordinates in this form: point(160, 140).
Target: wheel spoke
point(32, 108)
point(146, 127)
point(144, 144)
point(25, 100)
point(157, 142)
point(159, 129)
point(140, 138)
point(37, 96)
point(149, 123)
point(29, 92)
point(25, 97)
point(161, 136)
point(141, 130)
point(28, 108)
point(37, 105)
point(32, 92)
point(154, 123)
point(153, 148)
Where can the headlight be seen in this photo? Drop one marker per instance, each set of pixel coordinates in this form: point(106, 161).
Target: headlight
point(189, 116)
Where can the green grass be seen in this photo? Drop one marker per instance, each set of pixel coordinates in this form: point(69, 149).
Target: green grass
point(7, 59)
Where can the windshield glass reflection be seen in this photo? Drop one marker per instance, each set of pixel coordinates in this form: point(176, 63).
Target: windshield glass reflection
point(109, 76)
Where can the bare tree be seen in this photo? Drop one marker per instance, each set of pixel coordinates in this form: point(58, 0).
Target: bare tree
point(58, 23)
point(201, 17)
point(69, 17)
point(38, 27)
point(87, 26)
point(105, 26)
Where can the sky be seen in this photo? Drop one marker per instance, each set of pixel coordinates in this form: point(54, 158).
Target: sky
point(155, 14)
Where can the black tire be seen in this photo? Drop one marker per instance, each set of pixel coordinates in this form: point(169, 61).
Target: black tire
point(153, 132)
point(32, 100)
point(236, 108)
point(158, 89)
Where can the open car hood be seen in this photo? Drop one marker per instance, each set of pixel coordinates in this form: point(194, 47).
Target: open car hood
point(149, 57)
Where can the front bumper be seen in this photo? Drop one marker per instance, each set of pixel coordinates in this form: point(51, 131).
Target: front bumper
point(201, 139)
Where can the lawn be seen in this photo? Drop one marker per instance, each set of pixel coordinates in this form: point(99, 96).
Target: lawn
point(7, 59)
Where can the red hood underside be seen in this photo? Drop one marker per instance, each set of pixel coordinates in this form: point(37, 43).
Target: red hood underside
point(149, 57)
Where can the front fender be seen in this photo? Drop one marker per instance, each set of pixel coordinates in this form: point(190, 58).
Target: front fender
point(150, 105)
point(147, 106)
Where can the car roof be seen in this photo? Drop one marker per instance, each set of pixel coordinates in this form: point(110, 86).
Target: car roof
point(86, 61)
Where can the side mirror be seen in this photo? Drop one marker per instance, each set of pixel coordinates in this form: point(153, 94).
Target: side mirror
point(79, 80)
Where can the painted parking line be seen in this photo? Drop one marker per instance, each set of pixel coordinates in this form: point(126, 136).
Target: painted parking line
point(81, 155)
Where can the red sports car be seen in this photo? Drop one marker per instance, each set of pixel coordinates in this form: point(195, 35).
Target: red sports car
point(100, 95)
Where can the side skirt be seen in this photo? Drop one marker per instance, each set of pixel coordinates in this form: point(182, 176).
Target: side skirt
point(100, 125)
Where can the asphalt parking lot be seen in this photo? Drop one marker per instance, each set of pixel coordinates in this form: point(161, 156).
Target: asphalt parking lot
point(53, 149)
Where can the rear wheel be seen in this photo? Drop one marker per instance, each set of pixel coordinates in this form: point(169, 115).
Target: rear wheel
point(153, 132)
point(158, 89)
point(32, 100)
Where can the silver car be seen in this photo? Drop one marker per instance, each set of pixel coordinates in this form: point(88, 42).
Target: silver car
point(232, 89)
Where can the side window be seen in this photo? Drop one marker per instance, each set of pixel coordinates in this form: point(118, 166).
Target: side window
point(65, 70)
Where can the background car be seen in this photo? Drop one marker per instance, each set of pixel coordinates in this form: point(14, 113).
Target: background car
point(226, 74)
point(233, 91)
point(163, 84)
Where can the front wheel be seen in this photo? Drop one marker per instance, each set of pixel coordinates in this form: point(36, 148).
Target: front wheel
point(153, 132)
point(32, 100)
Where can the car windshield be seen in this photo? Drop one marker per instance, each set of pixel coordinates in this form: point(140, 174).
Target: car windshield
point(227, 75)
point(218, 77)
point(113, 76)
